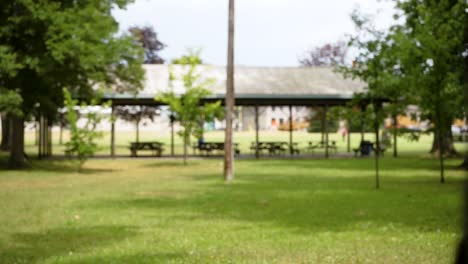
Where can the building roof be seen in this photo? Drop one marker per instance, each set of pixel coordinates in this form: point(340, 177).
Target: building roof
point(253, 85)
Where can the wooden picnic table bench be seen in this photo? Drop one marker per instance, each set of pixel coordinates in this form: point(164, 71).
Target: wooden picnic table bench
point(155, 147)
point(272, 147)
point(367, 147)
point(321, 145)
point(209, 147)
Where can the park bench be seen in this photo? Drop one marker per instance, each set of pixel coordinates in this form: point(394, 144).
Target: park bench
point(321, 145)
point(366, 148)
point(209, 147)
point(272, 148)
point(156, 148)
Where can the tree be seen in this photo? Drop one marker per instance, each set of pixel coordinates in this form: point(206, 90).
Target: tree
point(187, 107)
point(136, 114)
point(230, 99)
point(419, 61)
point(433, 41)
point(148, 39)
point(82, 139)
point(49, 45)
point(433, 36)
point(327, 55)
point(10, 102)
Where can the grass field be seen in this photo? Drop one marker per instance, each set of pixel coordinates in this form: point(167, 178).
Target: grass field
point(276, 211)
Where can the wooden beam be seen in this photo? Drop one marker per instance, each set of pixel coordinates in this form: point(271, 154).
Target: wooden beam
point(291, 131)
point(112, 143)
point(257, 154)
point(326, 130)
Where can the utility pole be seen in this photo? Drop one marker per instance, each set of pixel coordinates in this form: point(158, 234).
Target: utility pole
point(228, 150)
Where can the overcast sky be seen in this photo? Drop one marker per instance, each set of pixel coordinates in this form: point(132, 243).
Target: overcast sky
point(268, 32)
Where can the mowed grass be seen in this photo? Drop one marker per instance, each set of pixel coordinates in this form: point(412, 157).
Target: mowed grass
point(276, 211)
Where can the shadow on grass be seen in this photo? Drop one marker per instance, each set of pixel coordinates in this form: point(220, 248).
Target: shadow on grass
point(34, 247)
point(172, 163)
point(136, 258)
point(66, 166)
point(308, 203)
point(366, 164)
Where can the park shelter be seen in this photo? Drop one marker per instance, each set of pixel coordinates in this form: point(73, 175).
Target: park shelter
point(254, 87)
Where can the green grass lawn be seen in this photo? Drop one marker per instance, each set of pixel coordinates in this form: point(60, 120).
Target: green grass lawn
point(276, 211)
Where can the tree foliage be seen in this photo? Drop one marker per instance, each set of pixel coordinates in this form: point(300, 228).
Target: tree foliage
point(148, 39)
point(83, 138)
point(187, 107)
point(418, 61)
point(48, 45)
point(136, 114)
point(326, 55)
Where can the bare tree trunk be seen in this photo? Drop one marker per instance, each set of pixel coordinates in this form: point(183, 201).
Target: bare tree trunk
point(464, 165)
point(185, 149)
point(228, 150)
point(395, 136)
point(17, 159)
point(5, 144)
point(446, 140)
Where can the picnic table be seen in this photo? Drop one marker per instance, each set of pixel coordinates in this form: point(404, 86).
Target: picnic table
point(321, 145)
point(367, 147)
point(274, 147)
point(155, 147)
point(209, 147)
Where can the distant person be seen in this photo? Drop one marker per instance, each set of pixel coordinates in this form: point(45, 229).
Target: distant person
point(344, 132)
point(201, 142)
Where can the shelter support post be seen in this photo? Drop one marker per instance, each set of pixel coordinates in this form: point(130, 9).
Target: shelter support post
point(172, 133)
point(112, 143)
point(363, 109)
point(325, 113)
point(291, 127)
point(348, 135)
point(256, 133)
point(377, 107)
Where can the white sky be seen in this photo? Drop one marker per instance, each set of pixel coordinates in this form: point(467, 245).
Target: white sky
point(268, 32)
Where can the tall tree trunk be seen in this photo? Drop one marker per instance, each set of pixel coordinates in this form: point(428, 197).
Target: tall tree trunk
point(464, 165)
point(5, 144)
point(17, 159)
point(228, 150)
point(446, 141)
point(395, 136)
point(185, 149)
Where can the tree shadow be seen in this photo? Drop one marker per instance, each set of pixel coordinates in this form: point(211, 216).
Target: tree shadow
point(171, 163)
point(364, 164)
point(135, 258)
point(314, 203)
point(66, 166)
point(34, 247)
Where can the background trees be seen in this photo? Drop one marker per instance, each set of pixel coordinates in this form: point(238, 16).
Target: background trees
point(148, 39)
point(46, 46)
point(418, 61)
point(327, 55)
point(136, 114)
